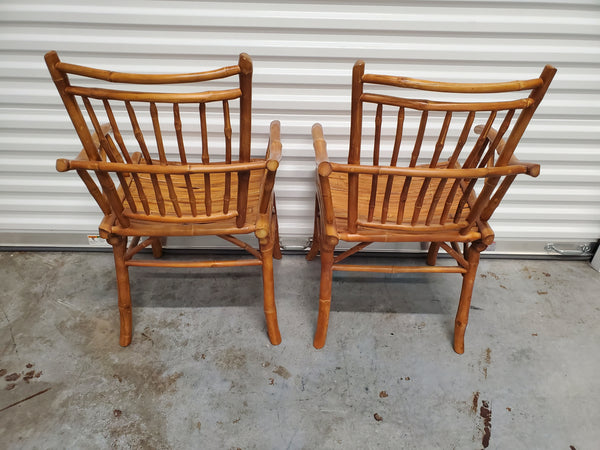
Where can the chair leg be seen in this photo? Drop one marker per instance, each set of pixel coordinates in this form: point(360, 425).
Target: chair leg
point(462, 314)
point(266, 250)
point(324, 296)
point(314, 248)
point(157, 249)
point(432, 254)
point(119, 245)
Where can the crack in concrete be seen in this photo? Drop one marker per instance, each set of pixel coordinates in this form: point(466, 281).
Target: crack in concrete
point(12, 336)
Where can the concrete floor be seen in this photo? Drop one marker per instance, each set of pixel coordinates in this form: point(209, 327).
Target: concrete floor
point(201, 373)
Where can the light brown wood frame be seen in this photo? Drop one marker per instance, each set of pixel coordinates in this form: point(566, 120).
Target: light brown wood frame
point(158, 195)
point(446, 203)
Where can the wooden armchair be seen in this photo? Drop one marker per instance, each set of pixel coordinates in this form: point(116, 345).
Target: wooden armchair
point(444, 197)
point(142, 172)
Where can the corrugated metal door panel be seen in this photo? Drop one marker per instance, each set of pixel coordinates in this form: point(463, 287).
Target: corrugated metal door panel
point(303, 55)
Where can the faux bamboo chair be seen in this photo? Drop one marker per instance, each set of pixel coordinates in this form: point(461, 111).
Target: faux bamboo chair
point(161, 190)
point(444, 197)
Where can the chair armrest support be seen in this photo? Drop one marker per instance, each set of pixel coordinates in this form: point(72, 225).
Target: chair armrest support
point(533, 169)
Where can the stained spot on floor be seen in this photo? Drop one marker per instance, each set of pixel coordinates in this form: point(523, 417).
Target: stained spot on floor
point(282, 372)
point(383, 394)
point(475, 403)
point(486, 414)
point(29, 375)
point(13, 377)
point(231, 359)
point(198, 356)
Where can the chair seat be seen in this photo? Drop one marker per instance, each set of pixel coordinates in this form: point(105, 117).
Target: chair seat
point(375, 229)
point(187, 224)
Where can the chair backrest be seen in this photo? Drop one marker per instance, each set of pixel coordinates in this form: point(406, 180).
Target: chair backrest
point(138, 132)
point(434, 129)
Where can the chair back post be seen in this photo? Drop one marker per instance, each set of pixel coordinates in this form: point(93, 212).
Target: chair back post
point(482, 208)
point(61, 80)
point(525, 116)
point(245, 64)
point(355, 142)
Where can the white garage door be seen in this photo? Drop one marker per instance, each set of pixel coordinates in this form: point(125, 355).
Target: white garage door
point(303, 56)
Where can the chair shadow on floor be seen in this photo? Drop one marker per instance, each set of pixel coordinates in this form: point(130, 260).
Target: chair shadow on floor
point(197, 288)
point(414, 293)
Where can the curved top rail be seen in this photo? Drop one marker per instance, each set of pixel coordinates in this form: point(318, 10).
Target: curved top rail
point(465, 88)
point(122, 77)
point(158, 97)
point(429, 105)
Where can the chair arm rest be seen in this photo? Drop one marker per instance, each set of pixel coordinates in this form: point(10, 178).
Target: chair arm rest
point(274, 150)
point(266, 201)
point(323, 189)
point(533, 169)
point(62, 164)
point(320, 146)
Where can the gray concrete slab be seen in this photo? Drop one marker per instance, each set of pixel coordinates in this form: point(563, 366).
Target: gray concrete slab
point(201, 373)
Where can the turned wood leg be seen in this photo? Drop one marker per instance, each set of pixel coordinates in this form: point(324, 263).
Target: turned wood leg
point(324, 297)
point(157, 249)
point(462, 315)
point(266, 250)
point(119, 245)
point(432, 254)
point(314, 248)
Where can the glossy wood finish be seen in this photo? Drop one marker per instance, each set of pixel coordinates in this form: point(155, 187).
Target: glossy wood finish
point(445, 191)
point(161, 191)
